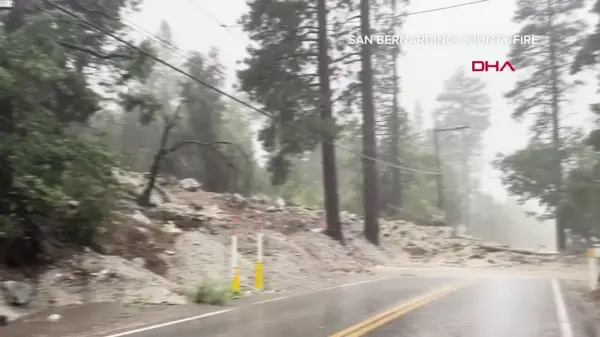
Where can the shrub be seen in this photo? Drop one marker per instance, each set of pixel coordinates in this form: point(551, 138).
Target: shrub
point(211, 293)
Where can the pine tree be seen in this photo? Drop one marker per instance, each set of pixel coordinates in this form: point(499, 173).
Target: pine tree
point(291, 37)
point(370, 176)
point(463, 103)
point(542, 94)
point(391, 119)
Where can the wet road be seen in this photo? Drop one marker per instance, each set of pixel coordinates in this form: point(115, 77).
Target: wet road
point(401, 306)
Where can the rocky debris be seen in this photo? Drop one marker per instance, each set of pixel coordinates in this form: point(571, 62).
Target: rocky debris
point(445, 246)
point(189, 236)
point(92, 277)
point(17, 293)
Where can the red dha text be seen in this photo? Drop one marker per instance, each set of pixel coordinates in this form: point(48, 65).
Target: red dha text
point(497, 66)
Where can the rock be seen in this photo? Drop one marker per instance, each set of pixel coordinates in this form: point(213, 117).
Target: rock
point(280, 202)
point(139, 261)
point(438, 222)
point(238, 201)
point(273, 209)
point(142, 230)
point(195, 205)
point(416, 248)
point(169, 252)
point(170, 228)
point(141, 218)
point(17, 293)
point(3, 320)
point(260, 199)
point(54, 317)
point(189, 184)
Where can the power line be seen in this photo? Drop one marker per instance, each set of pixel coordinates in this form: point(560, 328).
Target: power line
point(219, 91)
point(437, 9)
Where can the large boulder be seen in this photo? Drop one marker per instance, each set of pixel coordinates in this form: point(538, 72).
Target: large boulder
point(190, 184)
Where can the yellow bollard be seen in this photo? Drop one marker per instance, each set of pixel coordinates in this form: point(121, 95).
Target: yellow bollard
point(258, 267)
point(258, 276)
point(235, 282)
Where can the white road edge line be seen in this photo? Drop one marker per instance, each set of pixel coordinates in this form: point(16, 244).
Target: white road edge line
point(561, 311)
point(162, 325)
point(214, 313)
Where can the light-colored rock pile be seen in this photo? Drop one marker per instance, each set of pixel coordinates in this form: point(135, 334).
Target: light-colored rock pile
point(185, 238)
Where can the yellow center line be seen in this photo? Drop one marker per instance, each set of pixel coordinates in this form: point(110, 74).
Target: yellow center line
point(389, 315)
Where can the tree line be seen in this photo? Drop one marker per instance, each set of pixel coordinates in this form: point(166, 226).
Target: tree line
point(80, 96)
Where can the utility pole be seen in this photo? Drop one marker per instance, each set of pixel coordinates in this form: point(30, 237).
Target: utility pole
point(467, 189)
point(330, 183)
point(438, 161)
point(438, 177)
point(371, 205)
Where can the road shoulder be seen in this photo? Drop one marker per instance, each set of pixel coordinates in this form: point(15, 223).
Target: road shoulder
point(101, 319)
point(582, 308)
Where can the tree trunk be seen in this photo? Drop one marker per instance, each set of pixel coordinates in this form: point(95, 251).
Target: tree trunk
point(330, 183)
point(145, 198)
point(371, 229)
point(556, 140)
point(395, 120)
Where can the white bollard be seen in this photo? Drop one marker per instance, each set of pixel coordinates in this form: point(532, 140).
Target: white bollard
point(593, 268)
point(259, 251)
point(235, 276)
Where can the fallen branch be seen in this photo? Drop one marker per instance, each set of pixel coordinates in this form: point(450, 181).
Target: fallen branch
point(494, 249)
point(468, 237)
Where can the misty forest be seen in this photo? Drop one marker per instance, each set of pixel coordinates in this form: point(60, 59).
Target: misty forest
point(311, 119)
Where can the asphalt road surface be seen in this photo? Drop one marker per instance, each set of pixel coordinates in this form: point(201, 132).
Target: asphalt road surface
point(412, 306)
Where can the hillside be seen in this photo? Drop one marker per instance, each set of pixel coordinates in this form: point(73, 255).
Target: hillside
point(156, 255)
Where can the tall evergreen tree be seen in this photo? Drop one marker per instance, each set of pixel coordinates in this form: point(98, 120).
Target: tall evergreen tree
point(542, 94)
point(391, 120)
point(370, 184)
point(330, 179)
point(463, 103)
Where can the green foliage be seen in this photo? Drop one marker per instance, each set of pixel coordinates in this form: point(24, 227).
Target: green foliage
point(211, 293)
point(539, 95)
point(529, 173)
point(279, 75)
point(530, 95)
point(62, 189)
